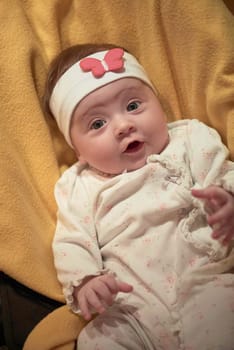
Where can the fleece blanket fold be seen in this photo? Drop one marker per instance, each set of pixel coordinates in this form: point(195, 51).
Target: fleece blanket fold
point(187, 48)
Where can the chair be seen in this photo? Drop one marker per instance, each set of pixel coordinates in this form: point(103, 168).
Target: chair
point(186, 47)
point(22, 310)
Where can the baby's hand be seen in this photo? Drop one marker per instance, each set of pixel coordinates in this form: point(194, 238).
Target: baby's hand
point(219, 205)
point(98, 292)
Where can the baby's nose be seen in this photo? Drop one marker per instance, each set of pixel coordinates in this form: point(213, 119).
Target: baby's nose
point(124, 127)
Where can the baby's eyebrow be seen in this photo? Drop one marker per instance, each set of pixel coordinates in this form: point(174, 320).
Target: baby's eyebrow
point(90, 109)
point(129, 90)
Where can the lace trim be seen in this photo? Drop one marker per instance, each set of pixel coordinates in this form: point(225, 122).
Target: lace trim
point(200, 236)
point(69, 289)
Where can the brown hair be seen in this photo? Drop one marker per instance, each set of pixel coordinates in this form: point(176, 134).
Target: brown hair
point(64, 61)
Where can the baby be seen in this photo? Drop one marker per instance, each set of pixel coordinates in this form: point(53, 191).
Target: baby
point(145, 220)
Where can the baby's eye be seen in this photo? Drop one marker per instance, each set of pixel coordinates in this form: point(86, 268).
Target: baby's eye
point(133, 105)
point(97, 124)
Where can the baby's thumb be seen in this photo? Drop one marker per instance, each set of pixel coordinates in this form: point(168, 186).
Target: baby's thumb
point(124, 287)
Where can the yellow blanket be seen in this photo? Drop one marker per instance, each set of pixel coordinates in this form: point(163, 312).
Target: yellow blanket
point(187, 47)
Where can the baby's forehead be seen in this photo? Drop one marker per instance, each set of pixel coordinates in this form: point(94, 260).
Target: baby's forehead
point(128, 83)
point(118, 87)
point(113, 91)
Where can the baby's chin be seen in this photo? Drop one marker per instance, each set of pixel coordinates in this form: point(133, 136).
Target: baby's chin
point(136, 166)
point(127, 169)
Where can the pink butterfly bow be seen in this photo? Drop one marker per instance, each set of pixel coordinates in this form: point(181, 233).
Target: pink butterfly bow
point(113, 61)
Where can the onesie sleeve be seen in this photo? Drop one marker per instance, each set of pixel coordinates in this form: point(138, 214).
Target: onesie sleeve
point(208, 157)
point(75, 245)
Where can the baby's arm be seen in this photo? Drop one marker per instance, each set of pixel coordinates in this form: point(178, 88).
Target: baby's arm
point(219, 205)
point(96, 292)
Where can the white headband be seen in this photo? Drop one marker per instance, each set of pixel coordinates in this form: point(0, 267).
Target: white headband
point(87, 75)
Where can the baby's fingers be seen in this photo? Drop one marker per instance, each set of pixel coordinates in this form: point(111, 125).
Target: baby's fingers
point(228, 238)
point(103, 291)
point(211, 193)
point(124, 287)
point(91, 301)
point(116, 285)
point(203, 194)
point(223, 214)
point(224, 235)
point(84, 308)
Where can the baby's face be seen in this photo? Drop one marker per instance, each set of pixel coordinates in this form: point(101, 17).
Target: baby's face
point(116, 127)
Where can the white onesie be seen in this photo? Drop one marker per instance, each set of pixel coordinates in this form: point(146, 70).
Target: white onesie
point(146, 228)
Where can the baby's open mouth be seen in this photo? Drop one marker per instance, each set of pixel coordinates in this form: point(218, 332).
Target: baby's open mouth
point(134, 146)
